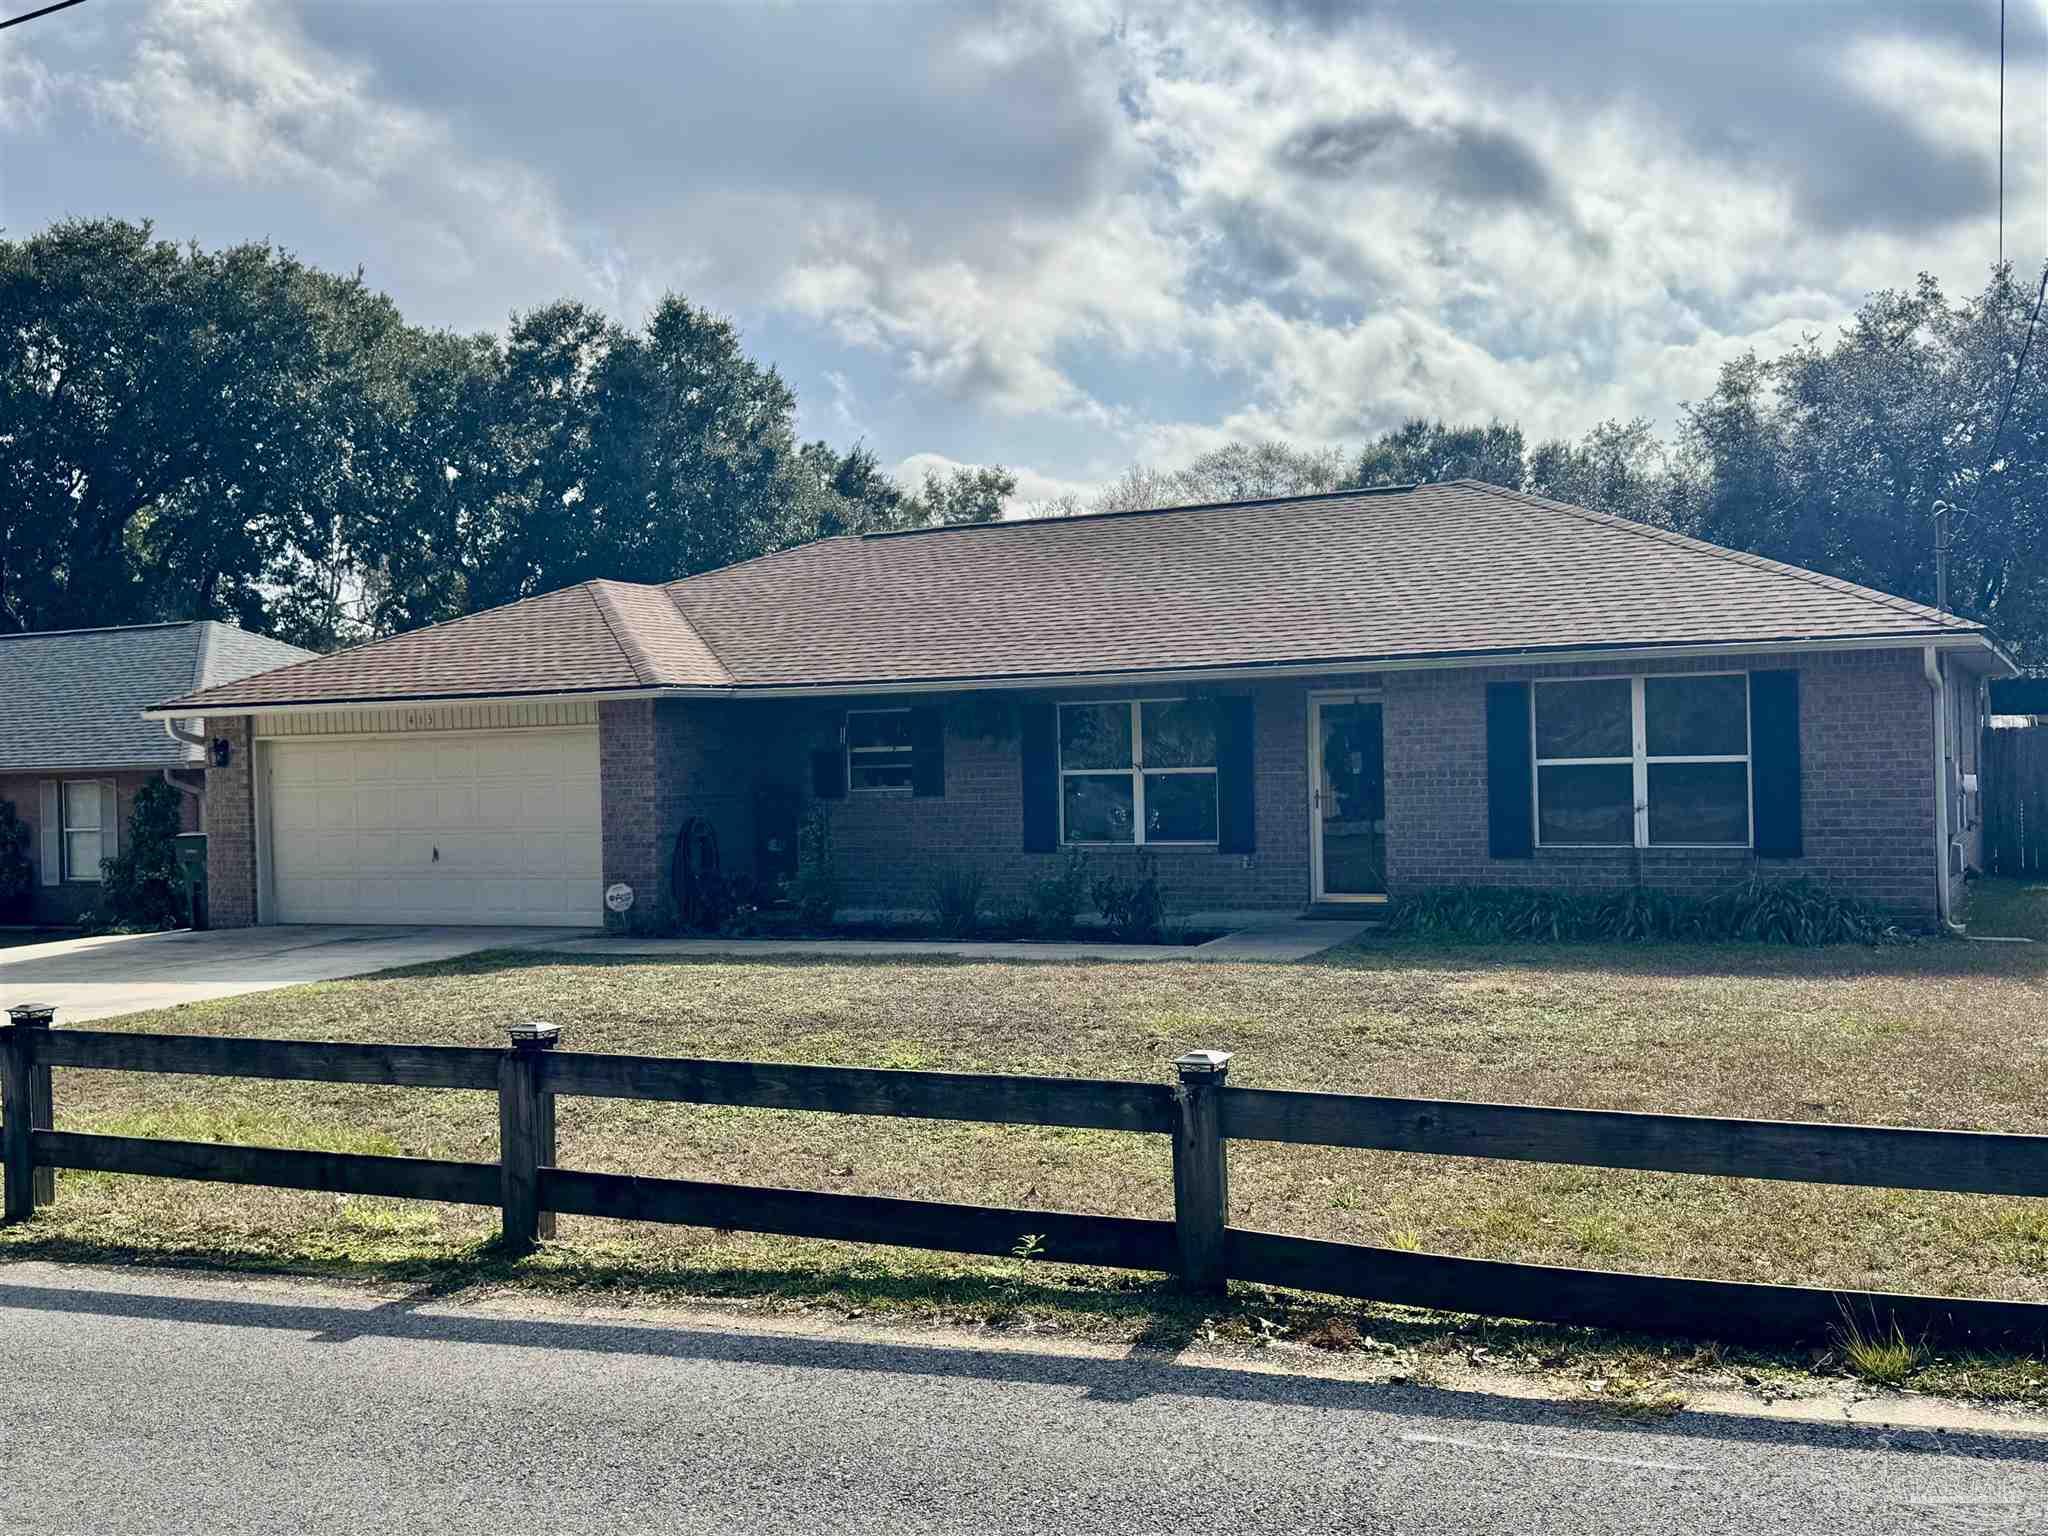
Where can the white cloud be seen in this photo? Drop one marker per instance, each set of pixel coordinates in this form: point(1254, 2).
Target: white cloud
point(1107, 231)
point(232, 90)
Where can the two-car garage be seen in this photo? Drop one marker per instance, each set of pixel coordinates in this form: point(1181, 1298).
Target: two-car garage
point(428, 823)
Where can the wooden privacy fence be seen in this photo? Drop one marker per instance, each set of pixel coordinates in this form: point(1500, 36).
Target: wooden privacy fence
point(1200, 1112)
point(2014, 766)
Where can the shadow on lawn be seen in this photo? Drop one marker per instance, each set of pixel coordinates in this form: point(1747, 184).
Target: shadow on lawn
point(1145, 1372)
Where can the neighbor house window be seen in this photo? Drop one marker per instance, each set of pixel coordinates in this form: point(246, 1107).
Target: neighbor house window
point(82, 830)
point(1138, 771)
point(879, 753)
point(1643, 762)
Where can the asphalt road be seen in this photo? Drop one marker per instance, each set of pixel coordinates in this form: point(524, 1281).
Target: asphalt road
point(134, 1402)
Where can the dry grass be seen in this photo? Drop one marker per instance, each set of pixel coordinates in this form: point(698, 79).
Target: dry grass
point(1938, 1035)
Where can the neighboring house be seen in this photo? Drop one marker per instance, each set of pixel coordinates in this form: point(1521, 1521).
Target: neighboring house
point(1317, 699)
point(74, 747)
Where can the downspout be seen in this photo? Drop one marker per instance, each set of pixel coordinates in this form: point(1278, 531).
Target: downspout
point(1931, 663)
point(173, 730)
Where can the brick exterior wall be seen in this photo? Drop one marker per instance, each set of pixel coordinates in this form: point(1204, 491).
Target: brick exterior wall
point(231, 827)
point(1866, 780)
point(1866, 773)
point(889, 847)
point(67, 902)
point(627, 786)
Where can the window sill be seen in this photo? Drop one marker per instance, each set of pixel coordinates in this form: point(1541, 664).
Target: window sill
point(1645, 847)
point(1140, 847)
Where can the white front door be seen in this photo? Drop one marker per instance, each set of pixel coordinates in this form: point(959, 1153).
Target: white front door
point(1347, 798)
point(466, 827)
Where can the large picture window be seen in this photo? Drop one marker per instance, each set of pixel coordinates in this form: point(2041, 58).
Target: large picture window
point(1138, 771)
point(1643, 762)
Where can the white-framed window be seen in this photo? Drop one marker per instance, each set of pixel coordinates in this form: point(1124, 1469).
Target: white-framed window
point(880, 755)
point(1138, 771)
point(81, 817)
point(1644, 762)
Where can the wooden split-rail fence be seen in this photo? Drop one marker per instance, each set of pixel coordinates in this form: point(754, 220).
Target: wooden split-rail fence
point(1201, 1112)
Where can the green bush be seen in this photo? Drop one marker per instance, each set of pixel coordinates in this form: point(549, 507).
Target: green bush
point(1799, 912)
point(1057, 898)
point(141, 889)
point(17, 873)
point(815, 889)
point(1134, 907)
point(956, 897)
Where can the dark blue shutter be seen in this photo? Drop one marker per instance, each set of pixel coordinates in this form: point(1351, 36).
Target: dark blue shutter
point(1038, 724)
point(1774, 763)
point(828, 774)
point(928, 752)
point(1510, 786)
point(1235, 798)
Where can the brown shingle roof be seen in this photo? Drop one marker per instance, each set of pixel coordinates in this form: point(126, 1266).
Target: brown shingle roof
point(1352, 577)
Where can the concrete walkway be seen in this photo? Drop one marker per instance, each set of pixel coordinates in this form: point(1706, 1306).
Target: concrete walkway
point(102, 977)
point(1282, 939)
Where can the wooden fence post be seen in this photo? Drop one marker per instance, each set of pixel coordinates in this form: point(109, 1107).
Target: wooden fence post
point(42, 1107)
point(526, 1134)
point(1201, 1172)
point(19, 1180)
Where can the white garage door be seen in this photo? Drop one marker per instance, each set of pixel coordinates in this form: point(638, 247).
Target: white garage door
point(468, 828)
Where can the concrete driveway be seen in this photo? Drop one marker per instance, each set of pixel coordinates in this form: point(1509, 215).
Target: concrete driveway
point(101, 977)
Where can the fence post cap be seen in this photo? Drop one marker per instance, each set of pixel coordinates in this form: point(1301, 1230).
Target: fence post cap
point(31, 1013)
point(1203, 1063)
point(535, 1035)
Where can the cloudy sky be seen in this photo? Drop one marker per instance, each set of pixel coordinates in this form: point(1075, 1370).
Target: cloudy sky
point(1067, 235)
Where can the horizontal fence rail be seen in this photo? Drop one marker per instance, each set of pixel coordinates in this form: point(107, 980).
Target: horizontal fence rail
point(337, 1173)
point(1966, 1162)
point(994, 1100)
point(1200, 1113)
point(1728, 1309)
point(314, 1061)
point(1120, 1242)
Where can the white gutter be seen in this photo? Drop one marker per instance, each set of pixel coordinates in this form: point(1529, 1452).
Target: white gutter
point(1130, 676)
point(1930, 660)
point(190, 739)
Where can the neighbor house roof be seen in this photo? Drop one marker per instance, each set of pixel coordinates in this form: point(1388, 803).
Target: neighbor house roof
point(1352, 579)
point(74, 697)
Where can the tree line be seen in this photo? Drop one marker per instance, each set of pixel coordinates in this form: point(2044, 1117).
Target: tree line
point(234, 434)
point(1834, 456)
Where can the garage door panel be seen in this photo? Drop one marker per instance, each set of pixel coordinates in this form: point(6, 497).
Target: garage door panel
point(454, 805)
point(501, 828)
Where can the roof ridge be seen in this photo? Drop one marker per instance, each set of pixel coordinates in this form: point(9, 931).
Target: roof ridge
point(99, 629)
point(199, 656)
point(621, 625)
point(1721, 551)
point(614, 621)
point(1186, 506)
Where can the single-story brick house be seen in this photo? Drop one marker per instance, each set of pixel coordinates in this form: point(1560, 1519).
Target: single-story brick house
point(1321, 699)
point(75, 746)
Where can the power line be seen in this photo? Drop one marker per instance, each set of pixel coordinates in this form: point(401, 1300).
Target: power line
point(61, 5)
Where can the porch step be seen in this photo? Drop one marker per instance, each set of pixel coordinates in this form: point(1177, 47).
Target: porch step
point(1373, 913)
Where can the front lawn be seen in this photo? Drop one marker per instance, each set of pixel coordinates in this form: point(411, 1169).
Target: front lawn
point(1940, 1034)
